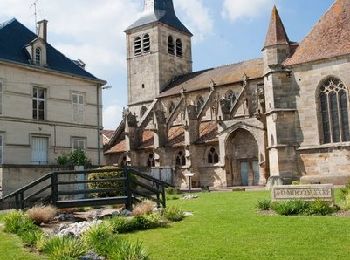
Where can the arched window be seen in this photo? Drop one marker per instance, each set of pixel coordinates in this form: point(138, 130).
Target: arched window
point(143, 110)
point(171, 45)
point(334, 111)
point(171, 107)
point(180, 159)
point(38, 56)
point(199, 103)
point(150, 161)
point(213, 156)
point(230, 97)
point(137, 46)
point(146, 43)
point(178, 48)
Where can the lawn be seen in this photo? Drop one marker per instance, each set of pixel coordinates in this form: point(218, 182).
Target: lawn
point(227, 226)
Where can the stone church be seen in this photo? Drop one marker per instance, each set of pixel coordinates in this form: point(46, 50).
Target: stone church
point(285, 114)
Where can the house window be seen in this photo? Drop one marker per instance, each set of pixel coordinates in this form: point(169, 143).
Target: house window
point(1, 149)
point(178, 48)
point(213, 156)
point(39, 99)
point(40, 150)
point(150, 161)
point(1, 94)
point(334, 111)
point(78, 107)
point(37, 56)
point(78, 143)
point(199, 103)
point(137, 46)
point(146, 43)
point(171, 107)
point(180, 159)
point(171, 45)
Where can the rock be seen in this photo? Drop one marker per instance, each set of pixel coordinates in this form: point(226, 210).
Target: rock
point(189, 197)
point(122, 213)
point(91, 256)
point(188, 214)
point(75, 229)
point(64, 217)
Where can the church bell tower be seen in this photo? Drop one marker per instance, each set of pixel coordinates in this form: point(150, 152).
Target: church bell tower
point(158, 50)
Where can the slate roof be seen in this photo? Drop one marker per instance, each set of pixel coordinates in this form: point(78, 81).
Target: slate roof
point(207, 132)
point(162, 11)
point(223, 75)
point(119, 146)
point(107, 135)
point(14, 36)
point(329, 38)
point(276, 33)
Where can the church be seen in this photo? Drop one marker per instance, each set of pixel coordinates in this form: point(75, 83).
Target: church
point(283, 115)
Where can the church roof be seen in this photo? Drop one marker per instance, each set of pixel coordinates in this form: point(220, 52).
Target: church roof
point(329, 38)
point(223, 75)
point(276, 33)
point(162, 11)
point(14, 36)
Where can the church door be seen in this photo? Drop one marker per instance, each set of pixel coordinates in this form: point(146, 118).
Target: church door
point(245, 173)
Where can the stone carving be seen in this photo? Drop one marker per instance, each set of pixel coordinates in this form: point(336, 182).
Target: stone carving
point(324, 192)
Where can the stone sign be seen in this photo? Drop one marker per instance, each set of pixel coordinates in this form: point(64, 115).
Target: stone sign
point(324, 192)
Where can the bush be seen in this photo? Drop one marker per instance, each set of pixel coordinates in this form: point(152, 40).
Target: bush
point(64, 248)
point(146, 222)
point(291, 208)
point(16, 222)
point(42, 214)
point(344, 192)
point(118, 186)
point(32, 238)
point(264, 204)
point(129, 251)
point(121, 225)
point(320, 208)
point(172, 191)
point(172, 197)
point(173, 214)
point(144, 208)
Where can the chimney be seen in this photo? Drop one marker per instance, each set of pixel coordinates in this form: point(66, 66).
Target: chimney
point(42, 30)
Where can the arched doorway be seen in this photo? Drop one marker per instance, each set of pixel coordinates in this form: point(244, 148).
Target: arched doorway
point(242, 161)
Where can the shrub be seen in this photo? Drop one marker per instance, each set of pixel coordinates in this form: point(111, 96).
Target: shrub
point(172, 197)
point(118, 186)
point(129, 251)
point(173, 214)
point(64, 160)
point(144, 208)
point(344, 192)
point(32, 238)
point(291, 208)
point(146, 222)
point(172, 191)
point(320, 208)
point(121, 225)
point(64, 248)
point(264, 204)
point(16, 222)
point(41, 214)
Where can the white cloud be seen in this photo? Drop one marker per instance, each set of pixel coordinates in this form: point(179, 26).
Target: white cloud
point(112, 115)
point(236, 9)
point(196, 16)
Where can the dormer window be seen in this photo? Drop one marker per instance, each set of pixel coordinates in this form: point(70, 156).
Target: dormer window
point(171, 45)
point(178, 48)
point(37, 58)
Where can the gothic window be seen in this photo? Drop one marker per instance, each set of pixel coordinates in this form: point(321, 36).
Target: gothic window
point(137, 46)
point(230, 97)
point(171, 107)
point(178, 48)
point(146, 43)
point(334, 111)
point(180, 159)
point(37, 56)
point(199, 103)
point(171, 45)
point(143, 110)
point(150, 161)
point(213, 156)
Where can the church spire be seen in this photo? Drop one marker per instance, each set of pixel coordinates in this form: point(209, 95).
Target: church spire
point(276, 33)
point(160, 6)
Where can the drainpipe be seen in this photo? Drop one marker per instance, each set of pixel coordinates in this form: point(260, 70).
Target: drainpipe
point(98, 125)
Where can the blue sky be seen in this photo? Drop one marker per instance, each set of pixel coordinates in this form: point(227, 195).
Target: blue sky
point(225, 32)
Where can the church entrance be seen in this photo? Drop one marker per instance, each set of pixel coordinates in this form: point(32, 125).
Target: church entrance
point(242, 166)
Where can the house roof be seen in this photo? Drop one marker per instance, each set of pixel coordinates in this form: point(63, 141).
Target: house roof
point(147, 139)
point(176, 136)
point(208, 132)
point(329, 38)
point(159, 11)
point(119, 146)
point(223, 75)
point(276, 33)
point(14, 36)
point(107, 135)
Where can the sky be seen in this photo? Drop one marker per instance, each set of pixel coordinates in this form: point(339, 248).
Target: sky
point(225, 32)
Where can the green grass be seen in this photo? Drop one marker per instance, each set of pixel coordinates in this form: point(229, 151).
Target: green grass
point(12, 248)
point(226, 226)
